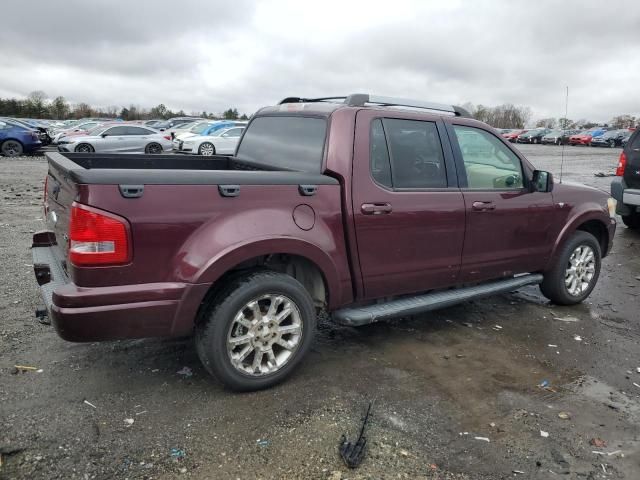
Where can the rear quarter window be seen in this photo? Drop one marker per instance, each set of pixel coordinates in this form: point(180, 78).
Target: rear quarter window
point(288, 143)
point(634, 141)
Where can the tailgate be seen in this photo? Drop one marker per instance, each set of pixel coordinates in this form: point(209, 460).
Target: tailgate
point(60, 192)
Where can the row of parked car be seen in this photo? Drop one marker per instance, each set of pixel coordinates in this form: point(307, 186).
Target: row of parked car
point(595, 137)
point(197, 136)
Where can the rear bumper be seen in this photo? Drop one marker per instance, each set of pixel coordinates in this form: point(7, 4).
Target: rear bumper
point(627, 198)
point(82, 314)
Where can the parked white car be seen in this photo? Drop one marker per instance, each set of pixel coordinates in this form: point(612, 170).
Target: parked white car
point(221, 142)
point(118, 139)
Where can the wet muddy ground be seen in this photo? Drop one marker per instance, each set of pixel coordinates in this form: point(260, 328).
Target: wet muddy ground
point(507, 387)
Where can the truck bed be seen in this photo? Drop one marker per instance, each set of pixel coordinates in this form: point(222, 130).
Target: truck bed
point(109, 169)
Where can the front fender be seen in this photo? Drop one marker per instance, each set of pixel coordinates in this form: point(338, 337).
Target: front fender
point(578, 216)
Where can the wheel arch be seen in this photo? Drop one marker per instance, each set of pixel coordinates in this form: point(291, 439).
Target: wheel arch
point(590, 222)
point(305, 262)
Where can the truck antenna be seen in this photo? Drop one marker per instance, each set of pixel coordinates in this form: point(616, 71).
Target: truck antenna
point(566, 111)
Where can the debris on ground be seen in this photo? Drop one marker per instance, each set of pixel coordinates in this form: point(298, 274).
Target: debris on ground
point(597, 442)
point(90, 404)
point(577, 338)
point(263, 442)
point(567, 319)
point(129, 421)
point(564, 416)
point(603, 174)
point(636, 385)
point(404, 453)
point(544, 434)
point(26, 368)
point(544, 384)
point(353, 453)
point(8, 451)
point(185, 371)
point(482, 439)
point(177, 453)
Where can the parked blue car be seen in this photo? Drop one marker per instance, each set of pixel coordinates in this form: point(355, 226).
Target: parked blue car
point(16, 140)
point(220, 125)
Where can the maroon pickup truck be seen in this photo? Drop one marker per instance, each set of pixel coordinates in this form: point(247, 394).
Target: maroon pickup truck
point(367, 207)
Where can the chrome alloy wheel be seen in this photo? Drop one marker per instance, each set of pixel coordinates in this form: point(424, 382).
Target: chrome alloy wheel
point(580, 270)
point(264, 335)
point(207, 149)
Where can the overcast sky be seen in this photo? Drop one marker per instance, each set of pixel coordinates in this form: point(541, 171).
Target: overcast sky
point(211, 55)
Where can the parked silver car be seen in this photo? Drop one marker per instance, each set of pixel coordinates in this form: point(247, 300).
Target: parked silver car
point(118, 139)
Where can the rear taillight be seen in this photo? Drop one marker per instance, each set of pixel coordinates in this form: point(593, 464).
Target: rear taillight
point(622, 164)
point(97, 238)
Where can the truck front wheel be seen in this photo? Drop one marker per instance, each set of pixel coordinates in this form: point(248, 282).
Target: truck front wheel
point(575, 275)
point(256, 330)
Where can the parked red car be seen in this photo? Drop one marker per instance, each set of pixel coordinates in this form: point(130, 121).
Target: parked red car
point(350, 205)
point(583, 138)
point(512, 136)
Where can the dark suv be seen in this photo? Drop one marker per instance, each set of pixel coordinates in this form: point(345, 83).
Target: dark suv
point(626, 187)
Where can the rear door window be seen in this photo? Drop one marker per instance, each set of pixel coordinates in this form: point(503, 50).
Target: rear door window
point(138, 131)
point(407, 154)
point(488, 163)
point(635, 142)
point(116, 131)
point(288, 143)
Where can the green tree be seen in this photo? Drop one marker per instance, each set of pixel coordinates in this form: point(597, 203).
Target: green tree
point(124, 113)
point(159, 111)
point(566, 123)
point(231, 114)
point(59, 108)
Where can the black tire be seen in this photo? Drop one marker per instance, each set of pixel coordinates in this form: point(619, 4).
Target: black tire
point(84, 148)
point(554, 287)
point(207, 149)
point(218, 318)
point(632, 220)
point(612, 143)
point(12, 148)
point(153, 148)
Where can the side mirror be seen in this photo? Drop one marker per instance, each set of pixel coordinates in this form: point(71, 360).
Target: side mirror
point(104, 135)
point(542, 181)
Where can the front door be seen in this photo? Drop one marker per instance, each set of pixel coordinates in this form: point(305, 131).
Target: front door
point(408, 211)
point(506, 224)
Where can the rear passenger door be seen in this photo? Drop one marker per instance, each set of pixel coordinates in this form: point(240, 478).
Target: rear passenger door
point(408, 210)
point(137, 139)
point(507, 225)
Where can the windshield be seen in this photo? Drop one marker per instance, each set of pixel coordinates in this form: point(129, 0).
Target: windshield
point(96, 130)
point(199, 127)
point(555, 133)
point(287, 143)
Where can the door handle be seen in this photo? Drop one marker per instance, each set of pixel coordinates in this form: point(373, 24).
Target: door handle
point(483, 206)
point(376, 208)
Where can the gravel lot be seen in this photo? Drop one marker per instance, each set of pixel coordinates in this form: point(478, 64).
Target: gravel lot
point(438, 382)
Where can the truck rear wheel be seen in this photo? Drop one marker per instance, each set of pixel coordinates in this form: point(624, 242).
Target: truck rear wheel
point(632, 220)
point(256, 330)
point(575, 275)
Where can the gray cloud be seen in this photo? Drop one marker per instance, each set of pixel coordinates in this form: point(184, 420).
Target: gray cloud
point(212, 55)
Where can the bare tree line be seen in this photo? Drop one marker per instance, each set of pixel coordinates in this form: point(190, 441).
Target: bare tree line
point(37, 105)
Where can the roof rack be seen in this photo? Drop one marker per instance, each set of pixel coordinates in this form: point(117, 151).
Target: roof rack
point(363, 99)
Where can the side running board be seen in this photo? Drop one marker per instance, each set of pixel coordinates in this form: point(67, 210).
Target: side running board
point(357, 316)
